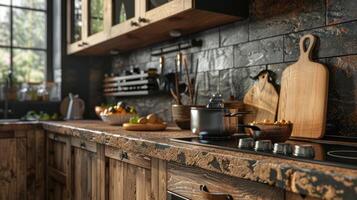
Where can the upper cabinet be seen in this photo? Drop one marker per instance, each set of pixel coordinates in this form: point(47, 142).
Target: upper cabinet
point(99, 27)
point(86, 23)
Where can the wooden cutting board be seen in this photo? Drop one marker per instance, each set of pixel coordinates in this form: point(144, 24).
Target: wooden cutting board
point(144, 127)
point(262, 100)
point(303, 95)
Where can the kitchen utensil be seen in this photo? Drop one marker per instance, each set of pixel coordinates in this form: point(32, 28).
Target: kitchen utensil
point(273, 132)
point(262, 100)
point(178, 94)
point(115, 119)
point(303, 96)
point(72, 110)
point(214, 121)
point(144, 127)
point(181, 116)
point(189, 83)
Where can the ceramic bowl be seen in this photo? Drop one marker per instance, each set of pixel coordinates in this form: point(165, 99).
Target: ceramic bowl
point(115, 119)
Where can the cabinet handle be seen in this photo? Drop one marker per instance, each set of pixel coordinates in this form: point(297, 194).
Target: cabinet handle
point(213, 195)
point(134, 23)
point(143, 20)
point(83, 145)
point(124, 155)
point(85, 43)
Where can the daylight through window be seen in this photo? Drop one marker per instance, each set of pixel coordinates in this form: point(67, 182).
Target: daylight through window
point(23, 40)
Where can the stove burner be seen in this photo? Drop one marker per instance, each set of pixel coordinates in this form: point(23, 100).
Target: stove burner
point(345, 154)
point(206, 138)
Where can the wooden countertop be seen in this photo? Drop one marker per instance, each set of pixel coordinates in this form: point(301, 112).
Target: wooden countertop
point(301, 177)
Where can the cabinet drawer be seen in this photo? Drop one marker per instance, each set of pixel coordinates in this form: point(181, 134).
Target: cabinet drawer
point(82, 144)
point(56, 137)
point(195, 183)
point(131, 158)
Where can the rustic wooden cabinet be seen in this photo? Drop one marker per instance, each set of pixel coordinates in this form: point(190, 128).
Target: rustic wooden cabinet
point(22, 167)
point(75, 168)
point(58, 167)
point(99, 27)
point(88, 167)
point(198, 184)
point(130, 176)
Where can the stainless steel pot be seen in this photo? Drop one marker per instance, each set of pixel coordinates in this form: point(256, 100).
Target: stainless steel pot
point(213, 121)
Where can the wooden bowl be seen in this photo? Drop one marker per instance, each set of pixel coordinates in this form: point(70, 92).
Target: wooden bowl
point(274, 132)
point(181, 115)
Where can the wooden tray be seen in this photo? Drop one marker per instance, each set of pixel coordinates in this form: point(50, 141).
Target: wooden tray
point(144, 127)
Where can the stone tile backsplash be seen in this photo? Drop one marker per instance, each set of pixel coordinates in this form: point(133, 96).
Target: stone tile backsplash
point(232, 54)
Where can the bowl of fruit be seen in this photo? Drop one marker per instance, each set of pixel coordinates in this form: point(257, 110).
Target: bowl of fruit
point(118, 114)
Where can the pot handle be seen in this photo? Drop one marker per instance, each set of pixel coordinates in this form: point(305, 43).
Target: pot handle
point(237, 114)
point(254, 128)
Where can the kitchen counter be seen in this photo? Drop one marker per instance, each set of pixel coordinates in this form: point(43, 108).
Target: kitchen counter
point(300, 177)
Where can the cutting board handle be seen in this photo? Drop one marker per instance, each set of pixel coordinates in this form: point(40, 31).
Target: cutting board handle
point(306, 53)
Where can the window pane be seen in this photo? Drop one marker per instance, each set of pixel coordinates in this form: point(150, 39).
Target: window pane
point(5, 2)
point(123, 10)
point(4, 63)
point(4, 25)
point(38, 4)
point(76, 21)
point(29, 28)
point(95, 16)
point(29, 66)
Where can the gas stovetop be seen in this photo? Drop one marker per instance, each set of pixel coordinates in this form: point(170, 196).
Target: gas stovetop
point(326, 153)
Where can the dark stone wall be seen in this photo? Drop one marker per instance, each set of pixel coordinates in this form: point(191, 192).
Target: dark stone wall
point(232, 53)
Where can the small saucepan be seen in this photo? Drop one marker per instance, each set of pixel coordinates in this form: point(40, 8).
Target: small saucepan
point(213, 121)
point(274, 132)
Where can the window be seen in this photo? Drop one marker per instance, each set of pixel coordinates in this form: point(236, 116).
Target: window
point(23, 40)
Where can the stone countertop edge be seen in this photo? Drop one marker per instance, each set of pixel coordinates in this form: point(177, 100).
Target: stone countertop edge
point(305, 178)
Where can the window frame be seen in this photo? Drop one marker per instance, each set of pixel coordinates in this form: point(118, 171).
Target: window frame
point(48, 49)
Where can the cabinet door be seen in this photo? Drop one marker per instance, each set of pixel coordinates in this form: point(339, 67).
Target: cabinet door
point(58, 167)
point(12, 166)
point(75, 22)
point(130, 176)
point(155, 10)
point(87, 170)
point(124, 16)
point(87, 21)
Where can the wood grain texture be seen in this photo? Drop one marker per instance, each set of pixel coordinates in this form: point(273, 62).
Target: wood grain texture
point(125, 37)
point(129, 181)
point(277, 172)
point(8, 169)
point(186, 181)
point(31, 163)
point(294, 196)
point(303, 96)
point(262, 99)
point(144, 127)
point(58, 171)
